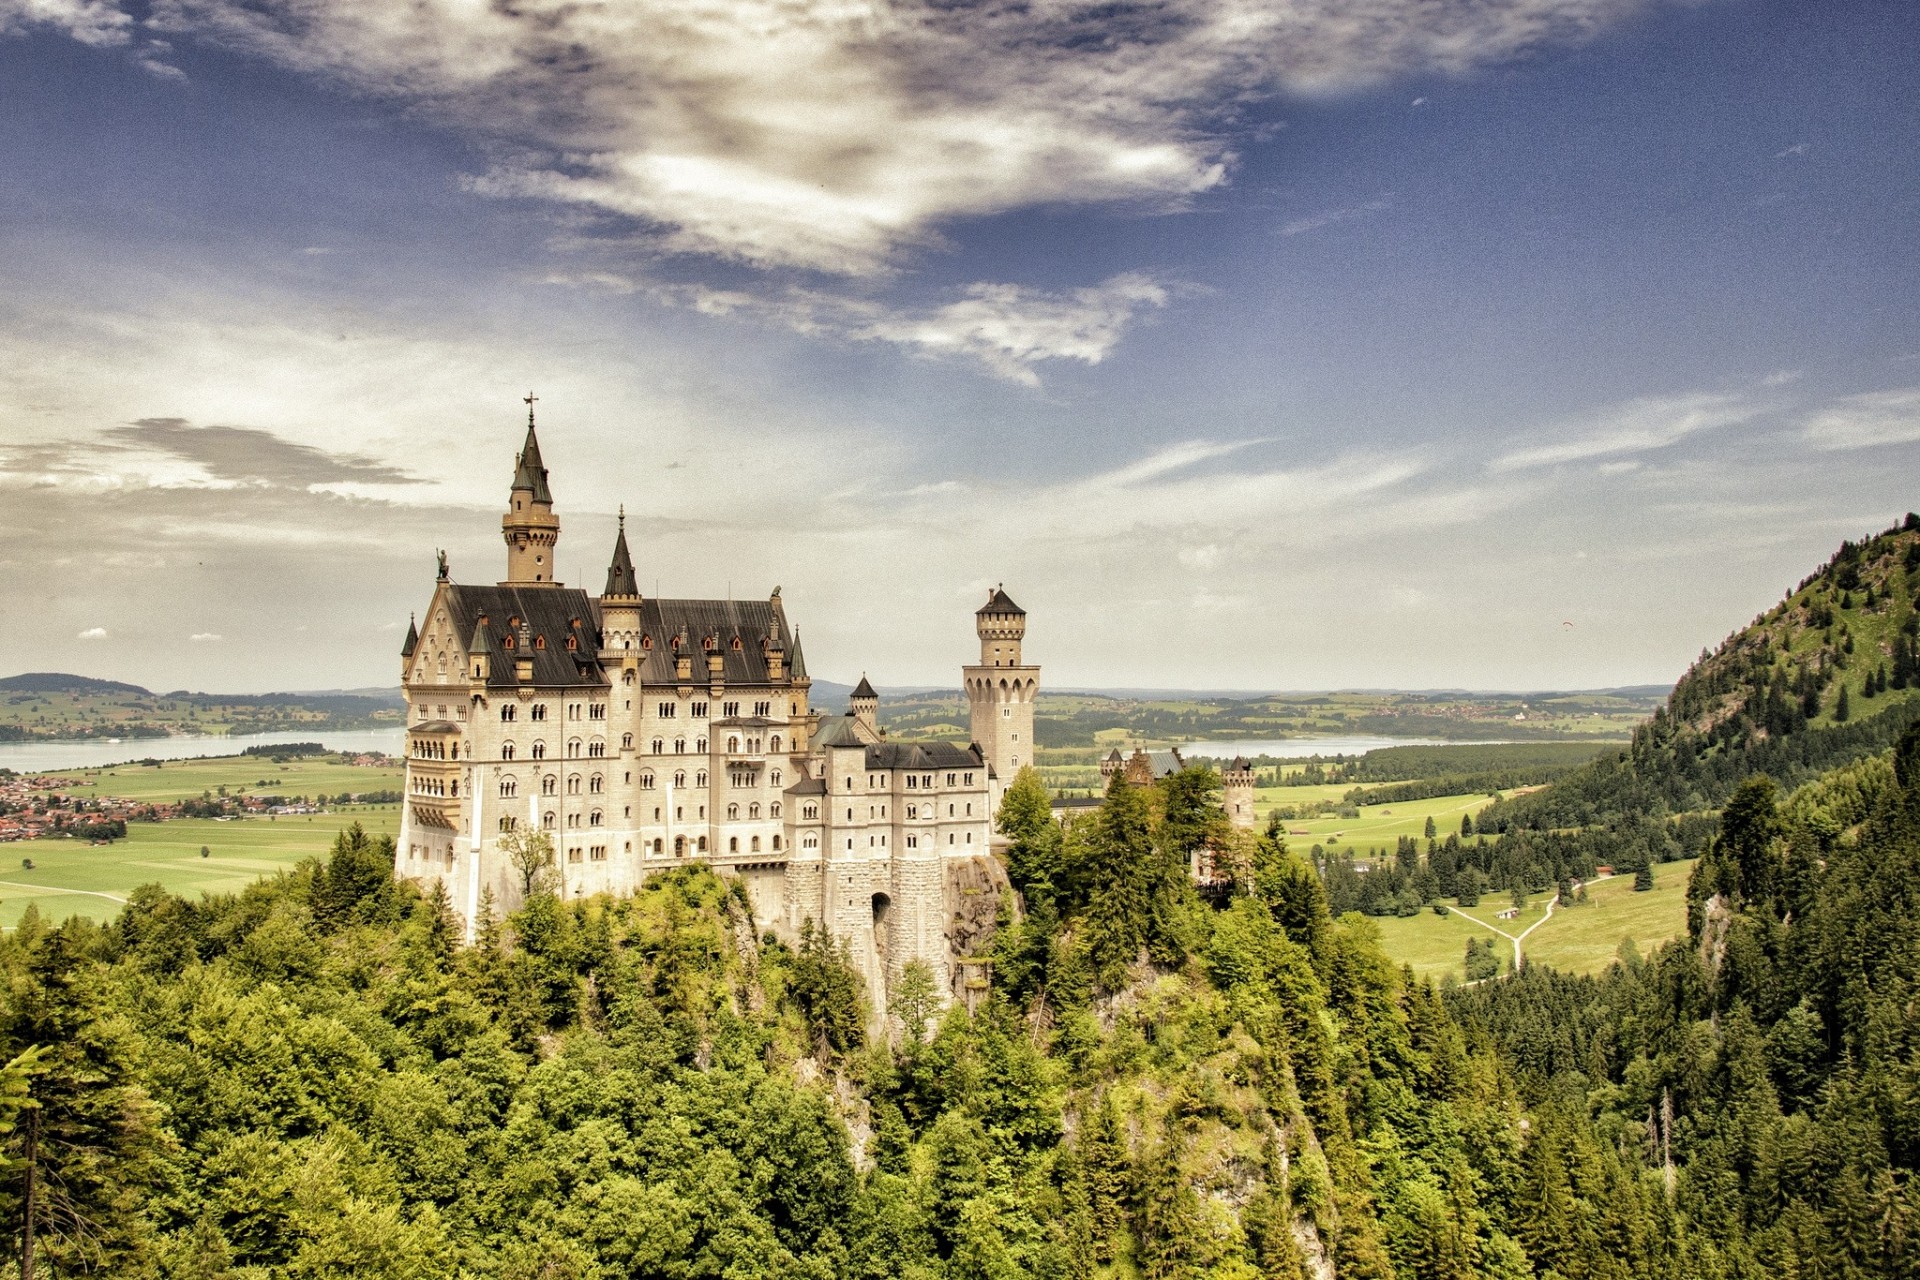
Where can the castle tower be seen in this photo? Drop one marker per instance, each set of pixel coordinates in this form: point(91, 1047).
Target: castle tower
point(1237, 781)
point(1001, 689)
point(864, 704)
point(620, 605)
point(530, 528)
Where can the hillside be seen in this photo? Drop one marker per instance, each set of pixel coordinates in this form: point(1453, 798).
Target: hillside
point(62, 682)
point(1828, 674)
point(53, 706)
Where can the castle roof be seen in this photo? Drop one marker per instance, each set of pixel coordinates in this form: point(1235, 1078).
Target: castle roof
point(808, 787)
point(724, 621)
point(840, 731)
point(620, 579)
point(797, 667)
point(1000, 602)
point(527, 472)
point(865, 690)
point(412, 641)
point(549, 614)
point(922, 755)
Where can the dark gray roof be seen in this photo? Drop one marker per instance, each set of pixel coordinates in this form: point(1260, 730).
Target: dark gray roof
point(434, 726)
point(620, 579)
point(1239, 765)
point(864, 690)
point(1000, 602)
point(808, 787)
point(527, 471)
point(921, 755)
point(797, 667)
point(412, 641)
point(746, 722)
point(548, 613)
point(1166, 763)
point(838, 732)
point(752, 621)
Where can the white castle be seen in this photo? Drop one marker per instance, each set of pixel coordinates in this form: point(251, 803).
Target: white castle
point(641, 735)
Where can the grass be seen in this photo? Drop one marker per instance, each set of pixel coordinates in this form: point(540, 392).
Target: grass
point(240, 775)
point(1379, 826)
point(1582, 939)
point(71, 877)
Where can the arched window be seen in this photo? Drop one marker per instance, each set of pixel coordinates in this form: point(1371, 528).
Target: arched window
point(539, 751)
point(628, 678)
point(508, 788)
point(775, 746)
point(506, 751)
point(596, 748)
point(573, 749)
point(626, 742)
point(701, 844)
point(679, 846)
point(595, 783)
point(753, 811)
point(733, 844)
point(810, 812)
point(657, 847)
point(658, 746)
point(593, 819)
point(773, 810)
point(549, 785)
point(573, 785)
point(774, 777)
point(679, 777)
point(646, 780)
point(506, 822)
point(733, 813)
point(508, 712)
point(700, 778)
point(733, 743)
point(546, 821)
point(811, 842)
point(679, 746)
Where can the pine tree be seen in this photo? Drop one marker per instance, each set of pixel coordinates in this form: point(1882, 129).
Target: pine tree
point(1841, 711)
point(1643, 877)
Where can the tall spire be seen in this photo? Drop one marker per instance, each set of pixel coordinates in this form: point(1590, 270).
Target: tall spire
point(528, 473)
point(530, 528)
point(797, 663)
point(412, 641)
point(620, 576)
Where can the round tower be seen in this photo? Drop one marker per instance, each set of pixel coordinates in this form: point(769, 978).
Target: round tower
point(530, 528)
point(1001, 689)
point(1237, 783)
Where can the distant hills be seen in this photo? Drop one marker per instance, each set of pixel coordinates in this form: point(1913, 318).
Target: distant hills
point(61, 682)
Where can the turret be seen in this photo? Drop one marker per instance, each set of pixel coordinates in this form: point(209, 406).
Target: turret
point(530, 528)
point(480, 653)
point(865, 706)
point(1001, 624)
point(412, 641)
point(1237, 786)
point(620, 602)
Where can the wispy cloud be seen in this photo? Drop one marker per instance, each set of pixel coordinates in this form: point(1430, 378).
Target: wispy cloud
point(1639, 426)
point(93, 633)
point(249, 455)
point(839, 137)
point(1863, 421)
point(1797, 149)
point(1313, 222)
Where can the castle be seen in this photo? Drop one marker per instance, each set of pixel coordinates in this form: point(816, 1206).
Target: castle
point(641, 734)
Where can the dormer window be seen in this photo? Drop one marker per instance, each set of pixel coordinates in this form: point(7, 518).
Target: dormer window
point(509, 642)
point(539, 642)
point(646, 642)
point(736, 644)
point(573, 643)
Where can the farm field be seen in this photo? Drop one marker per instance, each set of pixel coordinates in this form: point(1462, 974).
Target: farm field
point(240, 775)
point(1379, 826)
point(71, 877)
point(1581, 939)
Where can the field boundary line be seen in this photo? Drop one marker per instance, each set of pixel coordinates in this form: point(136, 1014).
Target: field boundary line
point(48, 888)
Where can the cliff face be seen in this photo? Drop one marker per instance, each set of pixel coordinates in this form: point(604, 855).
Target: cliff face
point(974, 887)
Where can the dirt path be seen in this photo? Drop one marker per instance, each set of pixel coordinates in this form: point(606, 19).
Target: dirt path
point(1515, 938)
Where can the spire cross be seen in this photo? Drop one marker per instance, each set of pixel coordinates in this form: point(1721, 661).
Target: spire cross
point(528, 399)
point(623, 517)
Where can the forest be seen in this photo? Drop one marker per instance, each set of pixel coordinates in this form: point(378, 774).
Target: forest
point(313, 1078)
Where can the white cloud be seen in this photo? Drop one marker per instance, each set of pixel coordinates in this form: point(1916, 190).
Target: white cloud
point(1797, 149)
point(1781, 377)
point(1863, 421)
point(204, 637)
point(93, 633)
point(100, 23)
point(840, 135)
point(1008, 328)
point(1638, 426)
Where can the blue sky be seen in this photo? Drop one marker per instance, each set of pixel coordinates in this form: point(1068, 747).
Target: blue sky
point(1305, 343)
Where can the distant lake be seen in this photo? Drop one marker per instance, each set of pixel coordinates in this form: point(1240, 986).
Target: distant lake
point(52, 757)
point(1296, 748)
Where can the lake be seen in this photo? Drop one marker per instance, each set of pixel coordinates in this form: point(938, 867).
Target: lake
point(52, 757)
point(1297, 748)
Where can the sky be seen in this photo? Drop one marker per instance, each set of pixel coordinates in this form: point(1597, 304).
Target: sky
point(1290, 344)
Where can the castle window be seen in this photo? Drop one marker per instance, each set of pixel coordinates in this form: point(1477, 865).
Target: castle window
point(774, 777)
point(733, 844)
point(849, 786)
point(679, 746)
point(538, 711)
point(627, 679)
point(646, 644)
point(763, 708)
point(598, 711)
point(646, 780)
point(700, 746)
point(506, 751)
point(775, 744)
point(733, 745)
point(913, 842)
point(756, 844)
point(949, 779)
point(913, 780)
point(733, 813)
point(539, 642)
point(679, 846)
point(949, 811)
point(698, 711)
point(572, 643)
point(659, 746)
point(729, 709)
point(599, 853)
point(546, 821)
point(1006, 713)
point(506, 823)
point(508, 787)
point(668, 710)
point(701, 844)
point(626, 742)
point(596, 749)
point(679, 778)
point(593, 819)
point(913, 811)
point(753, 811)
point(969, 779)
point(573, 748)
point(810, 812)
point(594, 784)
point(776, 844)
point(773, 810)
point(539, 751)
point(700, 778)
point(736, 644)
point(810, 842)
point(549, 785)
point(573, 854)
point(658, 848)
point(508, 712)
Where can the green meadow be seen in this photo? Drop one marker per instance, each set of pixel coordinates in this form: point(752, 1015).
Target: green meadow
point(1379, 826)
point(240, 775)
point(1579, 939)
point(72, 877)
